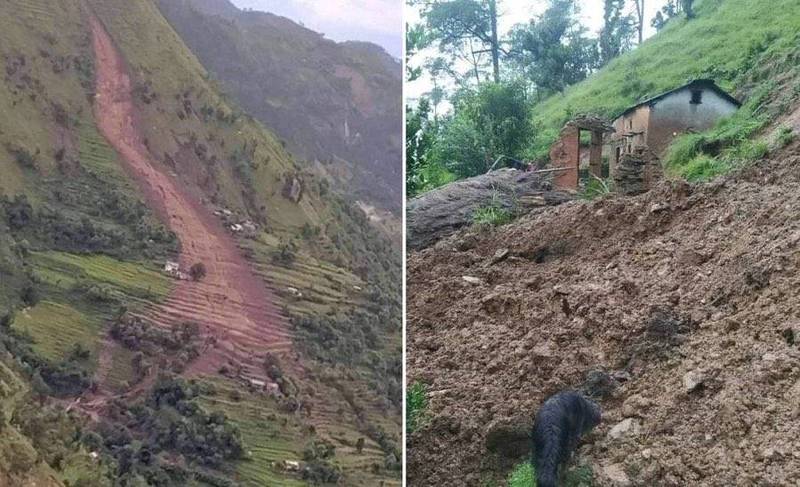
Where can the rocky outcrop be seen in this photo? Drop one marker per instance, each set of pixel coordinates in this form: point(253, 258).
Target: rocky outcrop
point(440, 212)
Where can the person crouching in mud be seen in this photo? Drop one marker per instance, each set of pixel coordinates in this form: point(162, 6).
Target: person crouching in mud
point(557, 429)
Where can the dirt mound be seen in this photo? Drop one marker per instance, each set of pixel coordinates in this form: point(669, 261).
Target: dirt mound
point(441, 212)
point(678, 308)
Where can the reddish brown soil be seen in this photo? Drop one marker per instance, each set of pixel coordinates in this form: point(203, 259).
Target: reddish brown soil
point(231, 303)
point(700, 279)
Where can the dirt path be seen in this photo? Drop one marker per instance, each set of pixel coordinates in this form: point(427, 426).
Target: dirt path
point(230, 303)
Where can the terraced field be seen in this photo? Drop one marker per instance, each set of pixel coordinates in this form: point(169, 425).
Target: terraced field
point(66, 319)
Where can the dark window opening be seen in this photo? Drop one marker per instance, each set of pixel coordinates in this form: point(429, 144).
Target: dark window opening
point(697, 97)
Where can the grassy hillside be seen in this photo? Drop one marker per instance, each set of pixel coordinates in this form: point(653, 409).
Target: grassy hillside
point(78, 246)
point(749, 48)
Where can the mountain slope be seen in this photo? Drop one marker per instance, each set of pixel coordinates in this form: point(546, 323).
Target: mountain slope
point(121, 154)
point(738, 43)
point(683, 299)
point(336, 103)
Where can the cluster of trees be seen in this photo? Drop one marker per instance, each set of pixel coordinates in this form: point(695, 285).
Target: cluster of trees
point(173, 348)
point(351, 340)
point(64, 378)
point(146, 437)
point(117, 226)
point(495, 80)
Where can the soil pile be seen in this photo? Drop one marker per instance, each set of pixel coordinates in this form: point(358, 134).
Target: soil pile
point(678, 310)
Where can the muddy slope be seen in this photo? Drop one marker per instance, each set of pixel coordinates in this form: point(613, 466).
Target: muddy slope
point(231, 304)
point(687, 297)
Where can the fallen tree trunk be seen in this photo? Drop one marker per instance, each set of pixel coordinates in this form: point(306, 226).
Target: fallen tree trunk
point(441, 212)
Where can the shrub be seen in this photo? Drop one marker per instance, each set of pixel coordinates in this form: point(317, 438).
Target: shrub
point(522, 476)
point(416, 402)
point(197, 271)
point(30, 295)
point(784, 137)
point(493, 215)
point(488, 122)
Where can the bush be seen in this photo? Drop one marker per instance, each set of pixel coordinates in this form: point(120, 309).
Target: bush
point(493, 214)
point(30, 295)
point(197, 271)
point(522, 476)
point(416, 402)
point(488, 122)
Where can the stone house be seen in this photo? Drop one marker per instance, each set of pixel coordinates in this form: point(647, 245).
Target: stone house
point(655, 122)
point(640, 136)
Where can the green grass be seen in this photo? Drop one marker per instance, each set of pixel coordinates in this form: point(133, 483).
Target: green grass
point(784, 137)
point(57, 327)
point(522, 476)
point(739, 43)
point(66, 316)
point(492, 215)
point(131, 281)
point(416, 404)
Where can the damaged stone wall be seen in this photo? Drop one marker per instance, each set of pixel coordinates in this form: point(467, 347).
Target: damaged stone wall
point(637, 171)
point(565, 154)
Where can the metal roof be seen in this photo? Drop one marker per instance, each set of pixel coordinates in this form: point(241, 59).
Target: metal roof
point(698, 83)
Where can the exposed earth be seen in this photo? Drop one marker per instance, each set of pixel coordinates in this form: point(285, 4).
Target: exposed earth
point(677, 310)
point(231, 304)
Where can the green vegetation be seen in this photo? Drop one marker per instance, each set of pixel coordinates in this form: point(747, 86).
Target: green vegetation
point(596, 188)
point(738, 43)
point(493, 214)
point(522, 476)
point(746, 47)
point(416, 404)
point(79, 248)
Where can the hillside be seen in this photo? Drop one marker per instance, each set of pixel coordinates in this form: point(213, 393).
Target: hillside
point(745, 46)
point(121, 154)
point(675, 310)
point(338, 104)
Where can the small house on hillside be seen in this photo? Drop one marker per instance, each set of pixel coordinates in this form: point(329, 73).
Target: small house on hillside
point(636, 141)
point(655, 122)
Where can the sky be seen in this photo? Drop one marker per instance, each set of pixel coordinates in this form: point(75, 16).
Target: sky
point(376, 21)
point(520, 11)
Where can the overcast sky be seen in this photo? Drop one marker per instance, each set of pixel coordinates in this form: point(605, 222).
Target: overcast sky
point(521, 11)
point(377, 21)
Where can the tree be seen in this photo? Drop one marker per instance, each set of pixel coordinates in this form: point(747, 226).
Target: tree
point(615, 38)
point(640, 16)
point(488, 122)
point(466, 29)
point(198, 271)
point(420, 137)
point(688, 8)
point(416, 40)
point(553, 50)
point(672, 9)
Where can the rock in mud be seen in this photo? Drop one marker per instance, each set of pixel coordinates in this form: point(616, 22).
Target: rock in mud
point(626, 427)
point(693, 380)
point(441, 212)
point(613, 476)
